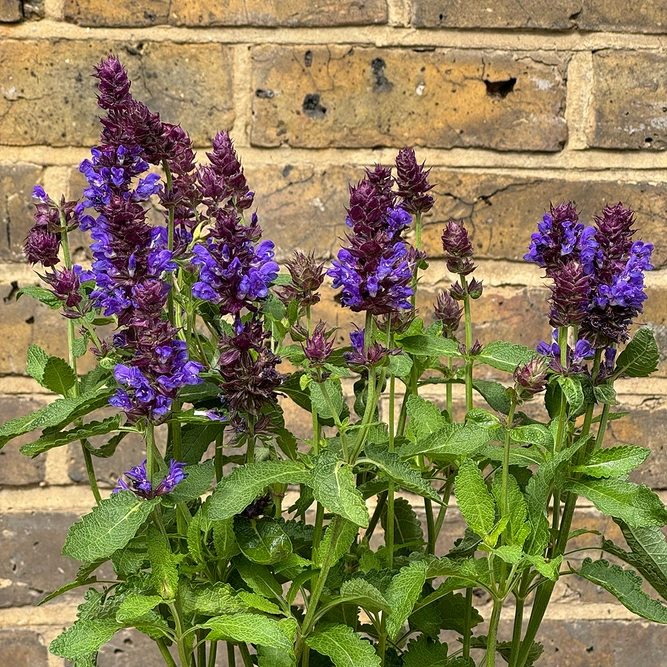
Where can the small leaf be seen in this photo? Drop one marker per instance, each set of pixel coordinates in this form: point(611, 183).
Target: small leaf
point(224, 540)
point(334, 487)
point(255, 601)
point(58, 376)
point(164, 570)
point(42, 295)
point(235, 492)
point(510, 553)
point(641, 356)
point(400, 365)
point(259, 578)
point(407, 526)
point(37, 359)
point(425, 652)
point(505, 356)
point(573, 391)
point(626, 587)
point(494, 394)
point(343, 646)
point(250, 628)
point(475, 501)
point(195, 484)
point(262, 540)
point(209, 599)
point(348, 533)
point(452, 440)
point(84, 637)
point(613, 461)
point(110, 526)
point(134, 606)
point(402, 594)
point(429, 346)
point(364, 594)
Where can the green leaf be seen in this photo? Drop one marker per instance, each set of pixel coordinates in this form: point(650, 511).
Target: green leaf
point(400, 365)
point(534, 434)
point(445, 612)
point(547, 568)
point(334, 487)
point(58, 376)
point(475, 501)
point(134, 606)
point(195, 484)
point(429, 346)
point(37, 359)
point(53, 414)
point(42, 295)
point(164, 570)
point(648, 553)
point(335, 392)
point(196, 393)
point(636, 505)
point(262, 540)
point(400, 471)
point(402, 594)
point(235, 492)
point(425, 652)
point(196, 438)
point(510, 553)
point(110, 526)
point(494, 394)
point(605, 393)
point(425, 418)
point(256, 601)
point(364, 594)
point(259, 578)
point(343, 646)
point(84, 637)
point(626, 587)
point(249, 628)
point(451, 440)
point(505, 356)
point(573, 391)
point(209, 599)
point(60, 438)
point(641, 356)
point(348, 533)
point(613, 461)
point(224, 540)
point(94, 379)
point(268, 656)
point(80, 346)
point(407, 526)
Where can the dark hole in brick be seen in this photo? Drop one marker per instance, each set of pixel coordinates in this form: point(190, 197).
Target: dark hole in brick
point(287, 170)
point(308, 58)
point(30, 320)
point(382, 83)
point(12, 292)
point(441, 17)
point(136, 49)
point(575, 15)
point(311, 106)
point(127, 641)
point(590, 649)
point(116, 651)
point(648, 140)
point(264, 94)
point(499, 89)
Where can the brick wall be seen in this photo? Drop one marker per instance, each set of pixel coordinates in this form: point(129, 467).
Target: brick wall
point(514, 103)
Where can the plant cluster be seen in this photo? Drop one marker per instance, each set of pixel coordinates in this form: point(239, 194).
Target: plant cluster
point(202, 318)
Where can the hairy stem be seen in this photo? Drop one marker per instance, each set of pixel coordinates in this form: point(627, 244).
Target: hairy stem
point(165, 653)
point(492, 638)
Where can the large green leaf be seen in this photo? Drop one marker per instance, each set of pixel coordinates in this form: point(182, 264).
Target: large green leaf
point(60, 438)
point(235, 492)
point(262, 540)
point(110, 526)
point(641, 356)
point(343, 646)
point(249, 628)
point(451, 440)
point(196, 439)
point(407, 526)
point(209, 599)
point(430, 346)
point(164, 568)
point(402, 594)
point(224, 539)
point(636, 505)
point(37, 359)
point(259, 578)
point(475, 501)
point(197, 482)
point(41, 294)
point(84, 637)
point(364, 594)
point(400, 471)
point(334, 487)
point(425, 652)
point(613, 461)
point(517, 508)
point(334, 390)
point(504, 356)
point(494, 394)
point(135, 605)
point(626, 587)
point(58, 376)
point(425, 418)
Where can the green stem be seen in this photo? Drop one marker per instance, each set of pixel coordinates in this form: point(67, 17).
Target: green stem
point(245, 654)
point(372, 524)
point(448, 390)
point(506, 458)
point(149, 434)
point(219, 449)
point(442, 513)
point(520, 598)
point(212, 654)
point(319, 520)
point(250, 453)
point(165, 653)
point(492, 638)
point(231, 655)
point(467, 623)
point(604, 419)
point(468, 326)
point(389, 533)
point(201, 648)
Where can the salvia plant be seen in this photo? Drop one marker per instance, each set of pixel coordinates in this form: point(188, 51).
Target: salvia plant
point(233, 538)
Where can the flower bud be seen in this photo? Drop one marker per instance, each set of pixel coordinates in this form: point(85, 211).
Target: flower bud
point(318, 347)
point(530, 379)
point(457, 248)
point(448, 313)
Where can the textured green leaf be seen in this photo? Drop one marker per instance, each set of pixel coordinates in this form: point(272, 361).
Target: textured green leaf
point(504, 356)
point(451, 440)
point(510, 553)
point(348, 533)
point(235, 492)
point(364, 594)
point(613, 461)
point(84, 637)
point(335, 392)
point(130, 558)
point(400, 471)
point(402, 594)
point(444, 612)
point(199, 479)
point(516, 505)
point(425, 652)
point(547, 568)
point(42, 295)
point(258, 602)
point(60, 438)
point(262, 540)
point(407, 526)
point(224, 539)
point(474, 499)
point(648, 553)
point(250, 628)
point(534, 434)
point(58, 376)
point(196, 439)
point(110, 526)
point(494, 394)
point(425, 418)
point(334, 487)
point(164, 570)
point(37, 359)
point(268, 656)
point(343, 646)
point(429, 346)
point(209, 599)
point(400, 365)
point(626, 587)
point(641, 356)
point(134, 606)
point(636, 505)
point(259, 578)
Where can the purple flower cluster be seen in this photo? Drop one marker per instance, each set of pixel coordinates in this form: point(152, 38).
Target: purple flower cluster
point(141, 485)
point(376, 270)
point(236, 270)
point(375, 355)
point(575, 357)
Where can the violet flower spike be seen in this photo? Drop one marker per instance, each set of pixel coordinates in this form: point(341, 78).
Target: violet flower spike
point(412, 182)
point(141, 486)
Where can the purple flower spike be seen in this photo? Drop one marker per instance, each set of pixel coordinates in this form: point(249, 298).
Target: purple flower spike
point(457, 248)
point(412, 181)
point(141, 486)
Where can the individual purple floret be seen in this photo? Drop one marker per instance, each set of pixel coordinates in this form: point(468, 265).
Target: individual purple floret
point(141, 486)
point(412, 182)
point(575, 357)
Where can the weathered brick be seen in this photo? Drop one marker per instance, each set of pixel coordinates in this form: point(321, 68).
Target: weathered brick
point(15, 468)
point(16, 184)
point(30, 560)
point(503, 211)
point(49, 95)
point(23, 648)
point(10, 11)
point(117, 13)
point(628, 100)
point(440, 98)
point(608, 15)
point(279, 13)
